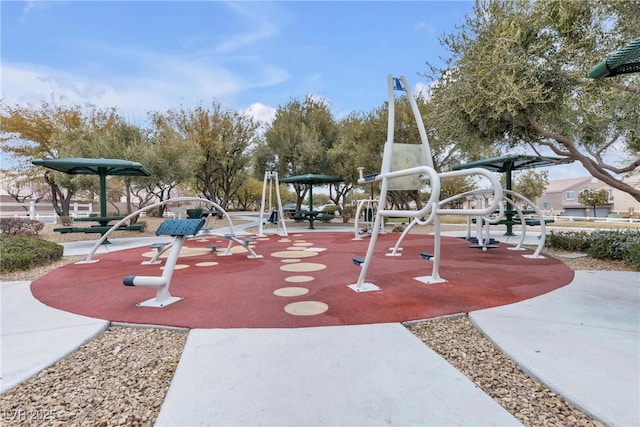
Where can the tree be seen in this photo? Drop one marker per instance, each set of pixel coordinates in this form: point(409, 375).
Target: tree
point(24, 186)
point(249, 195)
point(357, 146)
point(169, 159)
point(531, 184)
point(593, 198)
point(50, 130)
point(298, 140)
point(517, 75)
point(223, 138)
point(108, 136)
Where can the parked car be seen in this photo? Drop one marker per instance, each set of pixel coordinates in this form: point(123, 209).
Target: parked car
point(330, 207)
point(290, 208)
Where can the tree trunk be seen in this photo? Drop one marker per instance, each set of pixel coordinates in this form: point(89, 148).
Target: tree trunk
point(596, 169)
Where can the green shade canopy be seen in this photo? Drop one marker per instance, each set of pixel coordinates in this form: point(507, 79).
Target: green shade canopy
point(100, 167)
point(512, 162)
point(624, 61)
point(311, 179)
point(509, 163)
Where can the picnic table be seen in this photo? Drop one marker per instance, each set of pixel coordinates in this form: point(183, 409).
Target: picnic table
point(102, 220)
point(103, 225)
point(312, 216)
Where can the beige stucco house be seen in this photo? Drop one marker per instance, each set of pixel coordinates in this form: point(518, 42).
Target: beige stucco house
point(561, 198)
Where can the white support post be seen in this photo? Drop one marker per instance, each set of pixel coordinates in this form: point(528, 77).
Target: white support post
point(271, 177)
point(163, 298)
point(32, 210)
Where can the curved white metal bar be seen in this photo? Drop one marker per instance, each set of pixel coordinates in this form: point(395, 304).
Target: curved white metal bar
point(117, 225)
point(493, 207)
point(515, 201)
point(356, 222)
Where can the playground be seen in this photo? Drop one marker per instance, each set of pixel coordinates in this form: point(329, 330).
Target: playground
point(300, 281)
point(258, 304)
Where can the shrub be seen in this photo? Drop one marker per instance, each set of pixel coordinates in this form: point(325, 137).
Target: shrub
point(621, 245)
point(568, 240)
point(611, 244)
point(24, 252)
point(66, 220)
point(24, 226)
point(348, 212)
point(633, 254)
point(330, 210)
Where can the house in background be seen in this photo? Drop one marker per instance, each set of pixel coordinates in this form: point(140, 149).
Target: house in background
point(561, 198)
point(623, 203)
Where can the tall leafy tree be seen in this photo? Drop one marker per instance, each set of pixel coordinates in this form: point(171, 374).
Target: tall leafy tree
point(357, 146)
point(531, 184)
point(299, 138)
point(169, 159)
point(517, 75)
point(224, 139)
point(51, 130)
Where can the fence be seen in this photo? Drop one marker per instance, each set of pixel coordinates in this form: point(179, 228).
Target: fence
point(595, 219)
point(42, 211)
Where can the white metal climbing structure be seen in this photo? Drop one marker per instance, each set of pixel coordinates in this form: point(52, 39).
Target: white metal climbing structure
point(410, 166)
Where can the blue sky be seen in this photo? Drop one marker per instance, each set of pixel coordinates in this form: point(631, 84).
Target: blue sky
point(248, 56)
point(141, 56)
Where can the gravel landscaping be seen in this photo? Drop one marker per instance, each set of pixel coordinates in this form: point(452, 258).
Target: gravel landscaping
point(121, 376)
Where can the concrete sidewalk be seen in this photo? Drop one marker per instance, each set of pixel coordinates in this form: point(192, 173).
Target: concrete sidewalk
point(362, 375)
point(35, 336)
point(581, 340)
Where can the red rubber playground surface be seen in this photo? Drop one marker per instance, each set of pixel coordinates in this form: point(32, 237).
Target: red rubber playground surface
point(301, 281)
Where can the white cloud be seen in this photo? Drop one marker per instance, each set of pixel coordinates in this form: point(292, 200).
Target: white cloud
point(261, 113)
point(136, 81)
point(153, 82)
point(260, 28)
point(424, 90)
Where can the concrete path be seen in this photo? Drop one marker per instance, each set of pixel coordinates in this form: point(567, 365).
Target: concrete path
point(581, 340)
point(361, 375)
point(35, 336)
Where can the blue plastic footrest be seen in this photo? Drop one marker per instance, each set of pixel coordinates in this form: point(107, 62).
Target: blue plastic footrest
point(357, 260)
point(180, 227)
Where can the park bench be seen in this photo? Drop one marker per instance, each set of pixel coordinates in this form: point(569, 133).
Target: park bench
point(98, 229)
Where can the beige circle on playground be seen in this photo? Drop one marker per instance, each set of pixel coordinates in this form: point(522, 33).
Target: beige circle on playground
point(303, 266)
point(206, 264)
point(238, 250)
point(293, 291)
point(306, 308)
point(178, 267)
point(291, 260)
point(294, 254)
point(284, 240)
point(263, 238)
point(185, 252)
point(303, 244)
point(299, 279)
